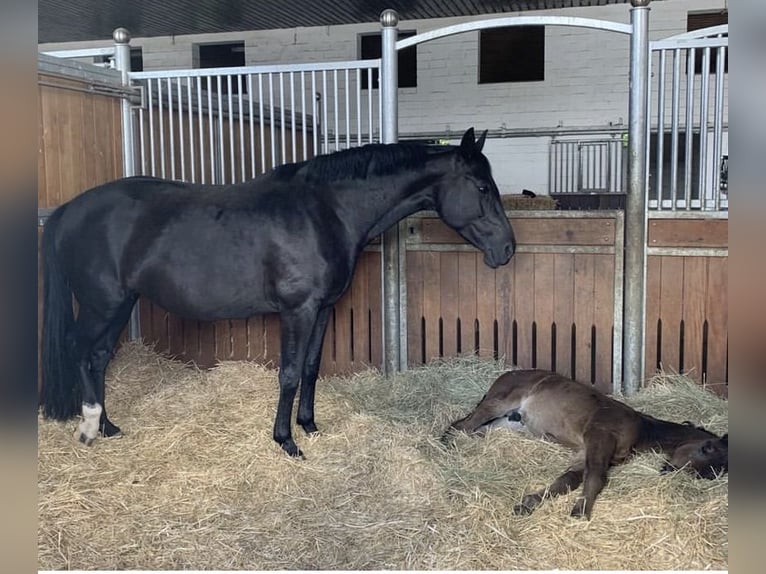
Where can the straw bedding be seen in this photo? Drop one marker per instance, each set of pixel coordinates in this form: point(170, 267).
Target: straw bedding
point(197, 482)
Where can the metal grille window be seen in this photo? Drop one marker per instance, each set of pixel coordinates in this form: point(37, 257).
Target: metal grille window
point(587, 166)
point(512, 54)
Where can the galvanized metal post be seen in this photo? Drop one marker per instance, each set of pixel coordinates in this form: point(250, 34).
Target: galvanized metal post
point(121, 38)
point(635, 206)
point(394, 352)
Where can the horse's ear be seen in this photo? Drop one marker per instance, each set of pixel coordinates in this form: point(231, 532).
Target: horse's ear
point(468, 143)
point(480, 142)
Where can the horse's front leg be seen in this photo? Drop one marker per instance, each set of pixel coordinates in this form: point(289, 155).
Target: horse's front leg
point(311, 371)
point(296, 327)
point(600, 447)
point(565, 483)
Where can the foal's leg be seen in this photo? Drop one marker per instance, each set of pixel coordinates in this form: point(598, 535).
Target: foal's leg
point(296, 327)
point(600, 448)
point(311, 371)
point(565, 483)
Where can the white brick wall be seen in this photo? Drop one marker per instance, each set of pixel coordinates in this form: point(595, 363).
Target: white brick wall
point(586, 77)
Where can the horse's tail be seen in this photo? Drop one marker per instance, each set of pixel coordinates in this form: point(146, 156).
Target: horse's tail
point(61, 396)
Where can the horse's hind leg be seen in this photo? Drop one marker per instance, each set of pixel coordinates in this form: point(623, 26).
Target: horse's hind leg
point(565, 483)
point(311, 371)
point(600, 447)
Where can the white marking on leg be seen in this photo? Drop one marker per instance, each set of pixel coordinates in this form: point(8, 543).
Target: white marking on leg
point(91, 415)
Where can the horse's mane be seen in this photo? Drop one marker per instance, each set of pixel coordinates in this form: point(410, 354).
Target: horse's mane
point(359, 162)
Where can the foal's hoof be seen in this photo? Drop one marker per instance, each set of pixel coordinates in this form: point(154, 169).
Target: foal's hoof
point(292, 449)
point(578, 510)
point(310, 428)
point(83, 438)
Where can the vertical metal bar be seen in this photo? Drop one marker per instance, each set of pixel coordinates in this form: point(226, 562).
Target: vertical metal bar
point(689, 139)
point(647, 141)
point(704, 102)
point(369, 103)
point(292, 116)
point(718, 126)
point(314, 113)
point(201, 128)
point(635, 208)
point(211, 133)
point(358, 106)
point(272, 128)
point(121, 39)
point(230, 121)
point(260, 123)
point(242, 160)
point(190, 111)
point(252, 126)
point(181, 129)
point(220, 170)
point(171, 130)
point(304, 137)
point(161, 122)
point(324, 112)
point(283, 158)
point(660, 127)
point(335, 108)
point(348, 117)
point(674, 129)
point(142, 140)
point(394, 352)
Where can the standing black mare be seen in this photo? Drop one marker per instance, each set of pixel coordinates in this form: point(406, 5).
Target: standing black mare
point(286, 242)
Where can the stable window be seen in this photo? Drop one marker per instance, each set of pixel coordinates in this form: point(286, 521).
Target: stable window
point(370, 48)
point(512, 54)
point(226, 55)
point(700, 20)
point(136, 59)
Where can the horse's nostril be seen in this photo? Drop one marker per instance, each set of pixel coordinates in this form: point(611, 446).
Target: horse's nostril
point(508, 251)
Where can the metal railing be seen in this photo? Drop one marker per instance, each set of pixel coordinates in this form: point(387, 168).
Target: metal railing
point(687, 151)
point(225, 125)
point(588, 165)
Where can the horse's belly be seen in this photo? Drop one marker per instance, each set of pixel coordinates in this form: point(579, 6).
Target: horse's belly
point(543, 419)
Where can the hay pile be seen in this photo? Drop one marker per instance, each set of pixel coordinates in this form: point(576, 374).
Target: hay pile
point(197, 482)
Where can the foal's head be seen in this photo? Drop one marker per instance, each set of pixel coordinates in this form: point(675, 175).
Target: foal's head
point(706, 457)
point(468, 201)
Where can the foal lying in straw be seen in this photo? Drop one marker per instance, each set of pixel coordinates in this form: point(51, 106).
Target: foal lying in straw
point(603, 431)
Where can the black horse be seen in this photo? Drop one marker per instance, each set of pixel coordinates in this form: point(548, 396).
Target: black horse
point(286, 242)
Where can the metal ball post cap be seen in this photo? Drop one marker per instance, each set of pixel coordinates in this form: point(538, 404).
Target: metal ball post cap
point(121, 36)
point(389, 18)
point(639, 3)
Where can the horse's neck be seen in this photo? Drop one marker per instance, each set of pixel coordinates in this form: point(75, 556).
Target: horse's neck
point(374, 206)
point(668, 435)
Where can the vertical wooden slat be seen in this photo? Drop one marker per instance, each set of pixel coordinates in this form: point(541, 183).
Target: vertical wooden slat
point(467, 300)
point(256, 336)
point(342, 333)
point(485, 306)
point(524, 298)
point(373, 282)
point(449, 301)
point(431, 302)
point(563, 310)
point(222, 337)
point(361, 302)
point(544, 271)
point(603, 319)
point(272, 342)
point(176, 339)
point(239, 338)
point(584, 271)
point(671, 305)
point(206, 355)
point(695, 283)
point(504, 303)
point(653, 284)
point(414, 308)
point(717, 312)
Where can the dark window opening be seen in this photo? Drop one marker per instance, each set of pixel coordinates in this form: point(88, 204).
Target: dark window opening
point(700, 20)
point(228, 55)
point(136, 59)
point(512, 54)
point(370, 48)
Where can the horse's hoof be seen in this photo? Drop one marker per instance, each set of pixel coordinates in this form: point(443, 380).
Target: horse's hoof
point(292, 449)
point(310, 428)
point(84, 439)
point(109, 430)
point(578, 510)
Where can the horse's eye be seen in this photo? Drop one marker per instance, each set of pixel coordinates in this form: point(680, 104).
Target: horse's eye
point(483, 189)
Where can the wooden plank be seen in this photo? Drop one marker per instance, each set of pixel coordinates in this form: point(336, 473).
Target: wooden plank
point(206, 356)
point(653, 290)
point(534, 231)
point(50, 195)
point(431, 302)
point(695, 287)
point(176, 338)
point(671, 305)
point(485, 306)
point(524, 306)
point(256, 338)
point(222, 336)
point(584, 276)
point(343, 334)
point(272, 343)
point(449, 301)
point(466, 264)
point(239, 340)
point(543, 307)
point(688, 233)
point(415, 351)
point(717, 313)
point(42, 186)
point(603, 318)
point(376, 328)
point(504, 304)
point(563, 311)
point(361, 302)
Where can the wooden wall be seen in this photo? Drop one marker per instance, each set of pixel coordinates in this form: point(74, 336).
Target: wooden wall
point(687, 299)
